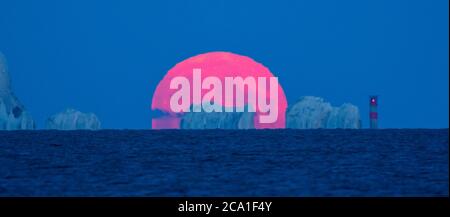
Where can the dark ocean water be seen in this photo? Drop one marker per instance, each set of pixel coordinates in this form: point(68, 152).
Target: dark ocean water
point(224, 163)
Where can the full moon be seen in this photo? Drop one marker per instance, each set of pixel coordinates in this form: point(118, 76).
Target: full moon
point(220, 65)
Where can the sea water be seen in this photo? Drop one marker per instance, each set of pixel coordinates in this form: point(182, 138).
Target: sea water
point(286, 162)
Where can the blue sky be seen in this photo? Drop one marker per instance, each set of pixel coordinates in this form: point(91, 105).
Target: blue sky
point(107, 57)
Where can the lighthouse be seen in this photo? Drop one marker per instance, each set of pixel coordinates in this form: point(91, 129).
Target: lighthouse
point(373, 113)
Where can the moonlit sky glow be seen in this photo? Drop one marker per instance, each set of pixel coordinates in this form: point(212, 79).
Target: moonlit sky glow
point(107, 57)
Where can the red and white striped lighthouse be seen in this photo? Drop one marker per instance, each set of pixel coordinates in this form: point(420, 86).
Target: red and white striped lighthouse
point(373, 113)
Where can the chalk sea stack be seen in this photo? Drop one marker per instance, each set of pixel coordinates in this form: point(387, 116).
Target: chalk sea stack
point(71, 119)
point(13, 115)
point(311, 112)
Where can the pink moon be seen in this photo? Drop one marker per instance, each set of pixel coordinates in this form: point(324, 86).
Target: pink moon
point(221, 65)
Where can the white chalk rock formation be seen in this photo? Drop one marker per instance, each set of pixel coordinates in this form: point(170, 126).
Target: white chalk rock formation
point(218, 120)
point(314, 113)
point(345, 117)
point(72, 119)
point(13, 115)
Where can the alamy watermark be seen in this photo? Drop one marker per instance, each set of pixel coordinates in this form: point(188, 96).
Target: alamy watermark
point(212, 100)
